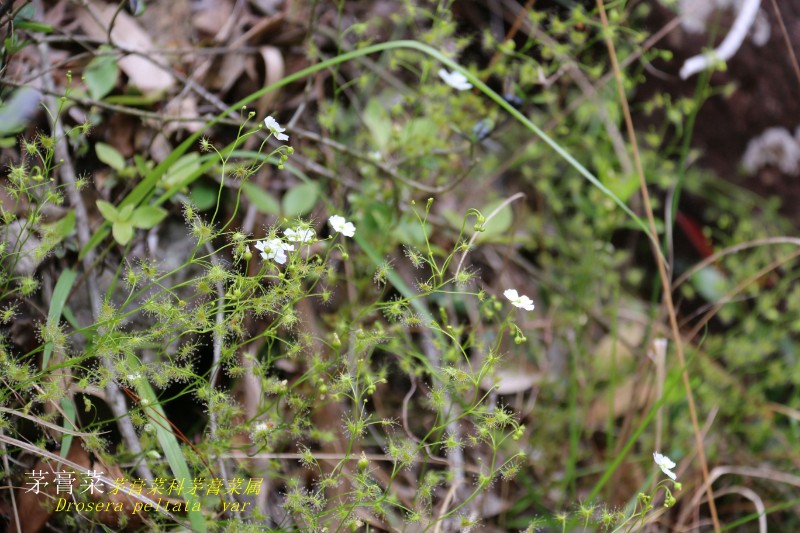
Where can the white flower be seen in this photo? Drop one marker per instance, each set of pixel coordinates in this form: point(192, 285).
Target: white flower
point(518, 300)
point(273, 126)
point(274, 249)
point(456, 80)
point(299, 234)
point(340, 225)
point(665, 464)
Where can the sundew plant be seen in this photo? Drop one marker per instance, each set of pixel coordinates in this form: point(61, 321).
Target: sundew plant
point(436, 270)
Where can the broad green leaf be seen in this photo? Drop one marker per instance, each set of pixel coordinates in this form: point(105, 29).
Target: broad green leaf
point(711, 283)
point(57, 301)
point(147, 216)
point(300, 199)
point(101, 76)
point(63, 227)
point(379, 124)
point(142, 165)
point(203, 196)
point(108, 211)
point(30, 25)
point(409, 231)
point(261, 199)
point(69, 423)
point(500, 223)
point(110, 156)
point(126, 212)
point(183, 167)
point(123, 232)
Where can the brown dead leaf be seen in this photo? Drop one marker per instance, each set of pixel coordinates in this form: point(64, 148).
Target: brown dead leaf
point(274, 71)
point(631, 395)
point(616, 351)
point(512, 381)
point(212, 17)
point(184, 107)
point(143, 73)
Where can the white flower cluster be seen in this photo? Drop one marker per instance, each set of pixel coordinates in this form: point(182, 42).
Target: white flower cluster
point(275, 249)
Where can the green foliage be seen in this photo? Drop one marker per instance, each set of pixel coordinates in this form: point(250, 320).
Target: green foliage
point(124, 220)
point(390, 340)
point(101, 75)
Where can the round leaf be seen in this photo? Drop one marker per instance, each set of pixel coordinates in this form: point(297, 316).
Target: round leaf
point(101, 76)
point(147, 216)
point(110, 156)
point(123, 232)
point(108, 211)
point(300, 199)
point(261, 199)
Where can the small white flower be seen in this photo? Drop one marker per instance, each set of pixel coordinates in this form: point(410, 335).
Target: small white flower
point(299, 235)
point(456, 80)
point(273, 126)
point(340, 225)
point(665, 464)
point(274, 249)
point(519, 300)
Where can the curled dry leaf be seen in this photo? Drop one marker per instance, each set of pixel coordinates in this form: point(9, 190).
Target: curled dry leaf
point(274, 70)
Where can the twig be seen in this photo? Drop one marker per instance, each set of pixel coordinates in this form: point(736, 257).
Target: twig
point(662, 267)
point(729, 46)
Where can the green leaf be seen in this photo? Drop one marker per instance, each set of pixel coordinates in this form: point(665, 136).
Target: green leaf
point(147, 216)
point(409, 231)
point(108, 211)
point(63, 227)
point(203, 196)
point(101, 76)
point(57, 301)
point(261, 199)
point(379, 124)
point(142, 165)
point(123, 232)
point(711, 283)
point(300, 199)
point(69, 423)
point(34, 26)
point(182, 168)
point(125, 213)
point(110, 156)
